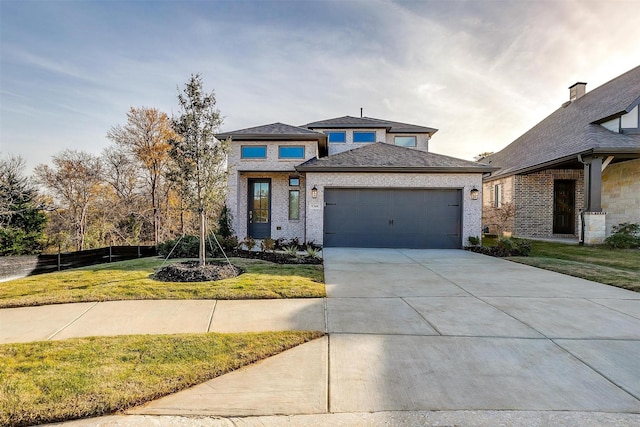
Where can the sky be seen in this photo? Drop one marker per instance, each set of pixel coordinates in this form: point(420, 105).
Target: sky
point(482, 72)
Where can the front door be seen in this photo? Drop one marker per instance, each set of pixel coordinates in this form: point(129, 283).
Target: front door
point(259, 208)
point(564, 206)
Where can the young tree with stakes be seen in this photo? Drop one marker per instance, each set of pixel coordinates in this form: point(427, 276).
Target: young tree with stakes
point(198, 157)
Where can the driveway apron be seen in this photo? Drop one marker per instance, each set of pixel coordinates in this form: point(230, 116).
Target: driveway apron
point(440, 330)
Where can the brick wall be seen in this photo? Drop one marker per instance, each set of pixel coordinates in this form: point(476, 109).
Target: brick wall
point(265, 168)
point(621, 193)
point(492, 215)
point(534, 201)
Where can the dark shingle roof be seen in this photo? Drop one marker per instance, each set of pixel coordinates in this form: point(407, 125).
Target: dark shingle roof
point(349, 122)
point(572, 129)
point(279, 130)
point(383, 157)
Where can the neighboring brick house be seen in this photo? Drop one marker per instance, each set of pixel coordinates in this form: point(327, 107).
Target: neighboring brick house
point(577, 172)
point(351, 181)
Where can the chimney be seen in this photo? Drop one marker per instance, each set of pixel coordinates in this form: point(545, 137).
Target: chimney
point(577, 90)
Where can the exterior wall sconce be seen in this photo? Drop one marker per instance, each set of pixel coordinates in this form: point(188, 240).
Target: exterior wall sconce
point(474, 194)
point(314, 192)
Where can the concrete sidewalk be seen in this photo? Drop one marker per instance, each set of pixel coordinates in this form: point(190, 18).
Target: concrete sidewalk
point(61, 321)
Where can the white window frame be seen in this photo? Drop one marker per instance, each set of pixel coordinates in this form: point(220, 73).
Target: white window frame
point(497, 195)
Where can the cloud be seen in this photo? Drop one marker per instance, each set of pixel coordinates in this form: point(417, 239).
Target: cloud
point(483, 72)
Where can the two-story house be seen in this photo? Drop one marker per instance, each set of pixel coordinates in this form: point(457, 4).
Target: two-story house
point(351, 181)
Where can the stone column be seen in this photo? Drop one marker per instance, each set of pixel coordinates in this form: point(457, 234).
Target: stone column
point(594, 226)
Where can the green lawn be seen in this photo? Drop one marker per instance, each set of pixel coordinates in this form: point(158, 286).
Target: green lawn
point(617, 267)
point(128, 280)
point(52, 381)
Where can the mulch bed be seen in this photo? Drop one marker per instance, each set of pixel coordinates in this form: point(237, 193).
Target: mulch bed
point(275, 257)
point(190, 272)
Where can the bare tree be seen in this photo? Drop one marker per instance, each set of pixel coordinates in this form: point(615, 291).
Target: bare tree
point(74, 182)
point(146, 138)
point(482, 155)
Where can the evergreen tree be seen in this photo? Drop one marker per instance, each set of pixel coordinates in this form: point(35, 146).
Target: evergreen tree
point(22, 221)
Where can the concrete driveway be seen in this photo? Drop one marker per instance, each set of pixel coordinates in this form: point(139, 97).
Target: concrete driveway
point(446, 330)
point(454, 330)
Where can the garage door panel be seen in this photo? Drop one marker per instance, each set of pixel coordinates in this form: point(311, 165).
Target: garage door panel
point(401, 218)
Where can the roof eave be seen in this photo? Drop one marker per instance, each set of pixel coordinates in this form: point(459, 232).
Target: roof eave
point(347, 126)
point(427, 131)
point(380, 169)
point(274, 137)
point(565, 159)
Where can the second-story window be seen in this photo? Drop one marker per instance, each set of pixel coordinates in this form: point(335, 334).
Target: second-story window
point(364, 137)
point(291, 152)
point(253, 151)
point(336, 137)
point(405, 141)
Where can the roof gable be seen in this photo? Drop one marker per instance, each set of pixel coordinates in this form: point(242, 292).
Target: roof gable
point(572, 129)
point(383, 157)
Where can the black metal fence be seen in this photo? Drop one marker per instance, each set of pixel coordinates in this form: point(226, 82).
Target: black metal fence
point(30, 265)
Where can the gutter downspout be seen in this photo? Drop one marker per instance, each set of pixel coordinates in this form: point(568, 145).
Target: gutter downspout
point(581, 236)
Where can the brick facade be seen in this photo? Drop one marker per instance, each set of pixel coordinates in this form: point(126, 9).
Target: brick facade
point(532, 196)
point(279, 171)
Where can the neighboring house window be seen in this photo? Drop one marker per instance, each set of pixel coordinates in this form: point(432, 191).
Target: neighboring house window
point(291, 152)
point(294, 181)
point(364, 137)
point(405, 141)
point(497, 195)
point(253, 151)
point(336, 136)
point(294, 204)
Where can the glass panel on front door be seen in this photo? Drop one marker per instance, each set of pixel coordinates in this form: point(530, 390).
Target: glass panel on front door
point(260, 202)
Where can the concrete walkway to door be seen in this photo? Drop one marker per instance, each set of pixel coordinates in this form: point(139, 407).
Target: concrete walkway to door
point(444, 330)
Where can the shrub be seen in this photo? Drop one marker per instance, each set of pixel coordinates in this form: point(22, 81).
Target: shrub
point(185, 247)
point(295, 242)
point(504, 247)
point(513, 247)
point(291, 250)
point(224, 223)
point(280, 243)
point(268, 244)
point(474, 240)
point(313, 252)
point(624, 236)
point(249, 243)
point(230, 243)
point(313, 245)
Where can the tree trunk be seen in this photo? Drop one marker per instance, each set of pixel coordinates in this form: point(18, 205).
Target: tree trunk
point(202, 251)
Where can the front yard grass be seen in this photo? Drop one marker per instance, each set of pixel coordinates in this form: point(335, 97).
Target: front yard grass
point(130, 280)
point(53, 381)
point(617, 267)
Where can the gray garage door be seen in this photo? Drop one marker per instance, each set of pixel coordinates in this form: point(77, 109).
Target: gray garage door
point(392, 218)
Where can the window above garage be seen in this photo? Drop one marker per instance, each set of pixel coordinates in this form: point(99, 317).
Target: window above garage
point(364, 136)
point(336, 137)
